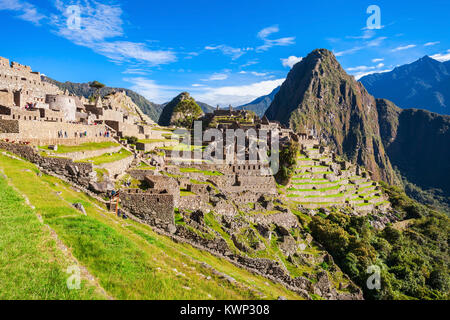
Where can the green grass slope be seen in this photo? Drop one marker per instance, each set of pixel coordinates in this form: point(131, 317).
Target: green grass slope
point(31, 265)
point(129, 260)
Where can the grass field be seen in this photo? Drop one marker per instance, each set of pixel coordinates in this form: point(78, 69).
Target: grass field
point(129, 260)
point(83, 147)
point(108, 158)
point(31, 265)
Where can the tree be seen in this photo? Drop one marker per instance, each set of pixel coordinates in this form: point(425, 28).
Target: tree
point(97, 86)
point(288, 160)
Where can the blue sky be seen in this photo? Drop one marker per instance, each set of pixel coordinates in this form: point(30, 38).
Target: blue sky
point(222, 52)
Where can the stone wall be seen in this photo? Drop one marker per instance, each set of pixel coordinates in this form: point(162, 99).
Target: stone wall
point(25, 84)
point(140, 174)
point(117, 167)
point(9, 126)
point(152, 208)
point(191, 202)
point(65, 104)
point(47, 132)
point(78, 173)
point(80, 155)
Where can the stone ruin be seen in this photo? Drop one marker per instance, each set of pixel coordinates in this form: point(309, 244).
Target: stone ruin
point(26, 99)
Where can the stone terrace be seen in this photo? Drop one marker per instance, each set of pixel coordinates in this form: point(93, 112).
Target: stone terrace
point(321, 180)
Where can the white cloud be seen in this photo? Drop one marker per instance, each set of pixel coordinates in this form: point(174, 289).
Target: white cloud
point(250, 63)
point(289, 62)
point(269, 43)
point(27, 11)
point(367, 34)
point(99, 23)
point(428, 44)
point(259, 74)
point(126, 51)
point(401, 48)
point(377, 60)
point(217, 77)
point(364, 68)
point(234, 53)
point(236, 95)
point(135, 71)
point(198, 85)
point(264, 33)
point(348, 51)
point(153, 91)
point(376, 42)
point(360, 45)
point(359, 75)
point(442, 57)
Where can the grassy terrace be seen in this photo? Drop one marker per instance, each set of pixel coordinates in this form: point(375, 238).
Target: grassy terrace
point(154, 140)
point(183, 147)
point(306, 173)
point(205, 172)
point(128, 259)
point(143, 166)
point(89, 146)
point(107, 158)
point(318, 190)
point(185, 193)
point(31, 265)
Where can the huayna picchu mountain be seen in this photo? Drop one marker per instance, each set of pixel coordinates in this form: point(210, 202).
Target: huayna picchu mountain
point(319, 95)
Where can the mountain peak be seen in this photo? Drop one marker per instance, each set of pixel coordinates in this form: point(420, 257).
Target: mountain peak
point(319, 96)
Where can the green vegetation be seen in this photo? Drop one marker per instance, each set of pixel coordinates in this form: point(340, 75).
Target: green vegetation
point(186, 112)
point(109, 157)
point(153, 140)
point(129, 260)
point(288, 160)
point(205, 172)
point(101, 173)
point(31, 265)
point(144, 166)
point(131, 140)
point(414, 262)
point(89, 146)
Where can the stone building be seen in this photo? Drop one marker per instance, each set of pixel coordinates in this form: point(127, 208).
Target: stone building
point(26, 98)
point(67, 105)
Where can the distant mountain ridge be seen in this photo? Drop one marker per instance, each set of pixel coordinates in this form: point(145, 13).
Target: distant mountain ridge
point(423, 84)
point(260, 105)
